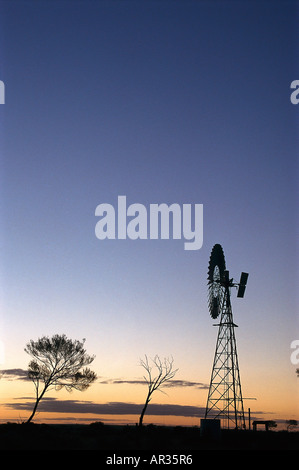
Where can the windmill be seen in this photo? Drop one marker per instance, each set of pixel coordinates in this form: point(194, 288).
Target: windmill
point(225, 400)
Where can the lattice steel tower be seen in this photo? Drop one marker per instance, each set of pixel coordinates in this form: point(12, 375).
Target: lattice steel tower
point(225, 400)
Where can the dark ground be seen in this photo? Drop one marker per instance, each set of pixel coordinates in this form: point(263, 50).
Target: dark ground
point(116, 439)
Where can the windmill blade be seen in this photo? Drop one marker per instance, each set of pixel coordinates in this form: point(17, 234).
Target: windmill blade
point(242, 284)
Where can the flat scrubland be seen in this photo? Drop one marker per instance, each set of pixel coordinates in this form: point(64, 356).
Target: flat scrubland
point(113, 439)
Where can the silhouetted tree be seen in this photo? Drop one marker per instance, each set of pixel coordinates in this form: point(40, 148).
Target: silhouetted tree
point(291, 423)
point(272, 424)
point(57, 362)
point(163, 373)
point(297, 370)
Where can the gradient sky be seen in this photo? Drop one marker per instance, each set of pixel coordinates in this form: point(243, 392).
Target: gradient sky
point(182, 102)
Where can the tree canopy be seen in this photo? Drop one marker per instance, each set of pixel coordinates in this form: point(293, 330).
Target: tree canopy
point(58, 362)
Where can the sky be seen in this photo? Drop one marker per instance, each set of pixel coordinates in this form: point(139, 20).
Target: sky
point(184, 102)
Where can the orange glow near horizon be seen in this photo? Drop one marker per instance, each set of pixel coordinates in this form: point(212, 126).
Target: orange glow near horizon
point(274, 403)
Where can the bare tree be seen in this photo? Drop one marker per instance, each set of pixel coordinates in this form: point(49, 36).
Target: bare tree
point(163, 373)
point(57, 362)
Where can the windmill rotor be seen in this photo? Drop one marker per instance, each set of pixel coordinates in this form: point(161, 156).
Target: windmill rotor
point(216, 275)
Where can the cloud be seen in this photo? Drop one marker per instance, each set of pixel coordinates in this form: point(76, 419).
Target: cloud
point(14, 374)
point(53, 405)
point(186, 383)
point(21, 374)
point(171, 383)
